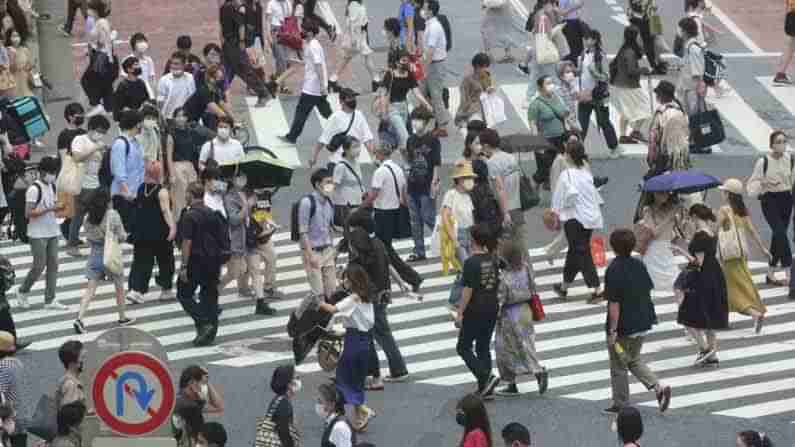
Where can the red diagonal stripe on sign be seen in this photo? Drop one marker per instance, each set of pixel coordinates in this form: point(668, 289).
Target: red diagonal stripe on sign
point(129, 391)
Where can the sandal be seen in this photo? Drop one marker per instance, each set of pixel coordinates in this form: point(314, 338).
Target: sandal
point(507, 59)
point(775, 282)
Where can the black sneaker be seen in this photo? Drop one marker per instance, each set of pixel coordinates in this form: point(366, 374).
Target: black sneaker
point(523, 69)
point(376, 85)
point(334, 87)
point(543, 381)
point(508, 391)
point(79, 327)
point(791, 294)
point(598, 182)
point(711, 363)
point(126, 321)
point(612, 410)
point(558, 288)
point(287, 139)
point(264, 308)
point(700, 150)
point(488, 389)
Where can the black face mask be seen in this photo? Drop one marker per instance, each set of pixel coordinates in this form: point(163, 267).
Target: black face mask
point(350, 103)
point(79, 120)
point(461, 418)
point(137, 71)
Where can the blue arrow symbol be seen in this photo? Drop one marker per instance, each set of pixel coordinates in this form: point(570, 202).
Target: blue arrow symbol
point(143, 395)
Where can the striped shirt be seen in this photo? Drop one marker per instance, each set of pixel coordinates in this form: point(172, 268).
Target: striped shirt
point(17, 390)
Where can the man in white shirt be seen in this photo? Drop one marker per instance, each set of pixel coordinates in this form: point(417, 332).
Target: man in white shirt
point(315, 86)
point(387, 194)
point(223, 148)
point(175, 88)
point(350, 121)
point(435, 60)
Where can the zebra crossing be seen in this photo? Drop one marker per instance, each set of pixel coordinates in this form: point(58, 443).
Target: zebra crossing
point(754, 379)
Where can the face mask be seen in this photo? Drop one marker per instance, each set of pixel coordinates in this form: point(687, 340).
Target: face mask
point(383, 32)
point(404, 67)
point(177, 73)
point(425, 14)
point(321, 412)
point(297, 386)
point(137, 71)
point(779, 147)
point(97, 137)
point(223, 133)
point(49, 178)
point(568, 76)
point(351, 103)
point(141, 47)
point(355, 152)
point(204, 391)
point(214, 59)
point(10, 426)
point(460, 418)
point(181, 121)
point(79, 120)
point(150, 124)
point(15, 41)
point(328, 189)
point(550, 88)
point(418, 126)
point(468, 184)
point(240, 182)
point(219, 186)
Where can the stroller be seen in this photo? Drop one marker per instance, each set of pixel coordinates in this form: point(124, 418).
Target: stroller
point(308, 326)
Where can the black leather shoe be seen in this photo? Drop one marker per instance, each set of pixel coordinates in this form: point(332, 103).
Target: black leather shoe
point(791, 294)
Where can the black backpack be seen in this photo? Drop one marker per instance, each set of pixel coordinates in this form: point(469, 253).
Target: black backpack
point(419, 168)
point(448, 31)
point(105, 173)
point(295, 234)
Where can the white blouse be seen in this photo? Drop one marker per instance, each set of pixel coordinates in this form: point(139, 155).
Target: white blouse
point(575, 197)
point(355, 314)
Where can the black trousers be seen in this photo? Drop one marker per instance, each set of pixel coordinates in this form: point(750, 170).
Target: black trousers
point(477, 329)
point(385, 221)
point(544, 160)
point(584, 110)
point(71, 12)
point(578, 258)
point(777, 209)
point(307, 103)
point(144, 255)
point(7, 321)
point(126, 210)
point(648, 39)
point(573, 31)
point(404, 270)
point(204, 276)
point(236, 63)
point(98, 89)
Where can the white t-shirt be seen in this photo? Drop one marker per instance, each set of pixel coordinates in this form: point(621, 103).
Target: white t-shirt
point(349, 188)
point(173, 92)
point(44, 226)
point(388, 198)
point(460, 204)
point(436, 39)
point(225, 153)
point(81, 145)
point(356, 315)
point(338, 122)
point(278, 10)
point(313, 54)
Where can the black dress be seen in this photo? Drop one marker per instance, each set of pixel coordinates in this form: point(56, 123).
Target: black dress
point(706, 304)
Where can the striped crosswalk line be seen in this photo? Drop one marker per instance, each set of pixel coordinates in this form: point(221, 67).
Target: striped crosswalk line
point(570, 342)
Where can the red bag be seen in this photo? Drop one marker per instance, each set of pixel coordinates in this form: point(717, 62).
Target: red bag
point(415, 65)
point(290, 33)
point(22, 151)
point(598, 251)
point(537, 308)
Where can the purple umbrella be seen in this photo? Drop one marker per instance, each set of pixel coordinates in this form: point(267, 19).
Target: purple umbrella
point(684, 182)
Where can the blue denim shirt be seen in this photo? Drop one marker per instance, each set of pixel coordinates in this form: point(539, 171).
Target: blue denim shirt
point(318, 229)
point(129, 169)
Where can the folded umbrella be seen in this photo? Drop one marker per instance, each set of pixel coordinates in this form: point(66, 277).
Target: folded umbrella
point(524, 143)
point(683, 182)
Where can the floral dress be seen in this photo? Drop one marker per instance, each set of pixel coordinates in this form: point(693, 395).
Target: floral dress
point(515, 340)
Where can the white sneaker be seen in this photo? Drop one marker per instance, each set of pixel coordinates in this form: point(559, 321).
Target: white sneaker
point(135, 297)
point(96, 110)
point(166, 295)
point(22, 300)
point(55, 305)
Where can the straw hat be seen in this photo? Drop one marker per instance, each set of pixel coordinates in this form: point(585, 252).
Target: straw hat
point(7, 342)
point(463, 169)
point(732, 185)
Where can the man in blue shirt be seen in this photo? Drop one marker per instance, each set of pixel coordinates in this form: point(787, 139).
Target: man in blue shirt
point(126, 166)
point(316, 239)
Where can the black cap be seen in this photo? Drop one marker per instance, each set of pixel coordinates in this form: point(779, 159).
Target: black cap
point(346, 92)
point(665, 88)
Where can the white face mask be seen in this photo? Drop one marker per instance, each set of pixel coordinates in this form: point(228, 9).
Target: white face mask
point(297, 385)
point(354, 152)
point(97, 137)
point(15, 41)
point(10, 426)
point(150, 124)
point(468, 184)
point(328, 189)
point(425, 14)
point(141, 47)
point(204, 391)
point(418, 126)
point(49, 178)
point(779, 147)
point(240, 182)
point(177, 73)
point(568, 76)
point(224, 132)
point(321, 412)
point(550, 88)
point(384, 33)
point(219, 186)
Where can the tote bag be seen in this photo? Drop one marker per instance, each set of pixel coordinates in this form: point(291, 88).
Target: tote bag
point(706, 127)
point(266, 435)
point(730, 243)
point(70, 177)
point(559, 39)
point(111, 254)
point(493, 109)
point(546, 51)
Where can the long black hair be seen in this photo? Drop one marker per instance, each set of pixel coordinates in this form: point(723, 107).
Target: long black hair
point(330, 394)
point(576, 152)
point(631, 34)
point(98, 206)
point(598, 52)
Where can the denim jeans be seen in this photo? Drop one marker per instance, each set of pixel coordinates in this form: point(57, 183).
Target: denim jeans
point(398, 118)
point(423, 212)
point(478, 330)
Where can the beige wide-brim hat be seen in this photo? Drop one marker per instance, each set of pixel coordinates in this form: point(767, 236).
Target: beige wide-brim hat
point(463, 169)
point(732, 185)
point(7, 342)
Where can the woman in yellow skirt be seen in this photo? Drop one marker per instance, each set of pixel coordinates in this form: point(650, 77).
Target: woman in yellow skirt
point(733, 218)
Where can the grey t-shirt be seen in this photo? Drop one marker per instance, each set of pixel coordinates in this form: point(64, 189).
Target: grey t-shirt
point(503, 164)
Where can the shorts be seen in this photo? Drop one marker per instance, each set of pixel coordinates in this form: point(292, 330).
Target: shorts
point(789, 24)
point(95, 266)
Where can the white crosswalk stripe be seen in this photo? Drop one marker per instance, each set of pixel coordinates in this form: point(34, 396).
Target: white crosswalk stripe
point(570, 342)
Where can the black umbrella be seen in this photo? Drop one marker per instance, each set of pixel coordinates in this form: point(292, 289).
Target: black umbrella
point(262, 168)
